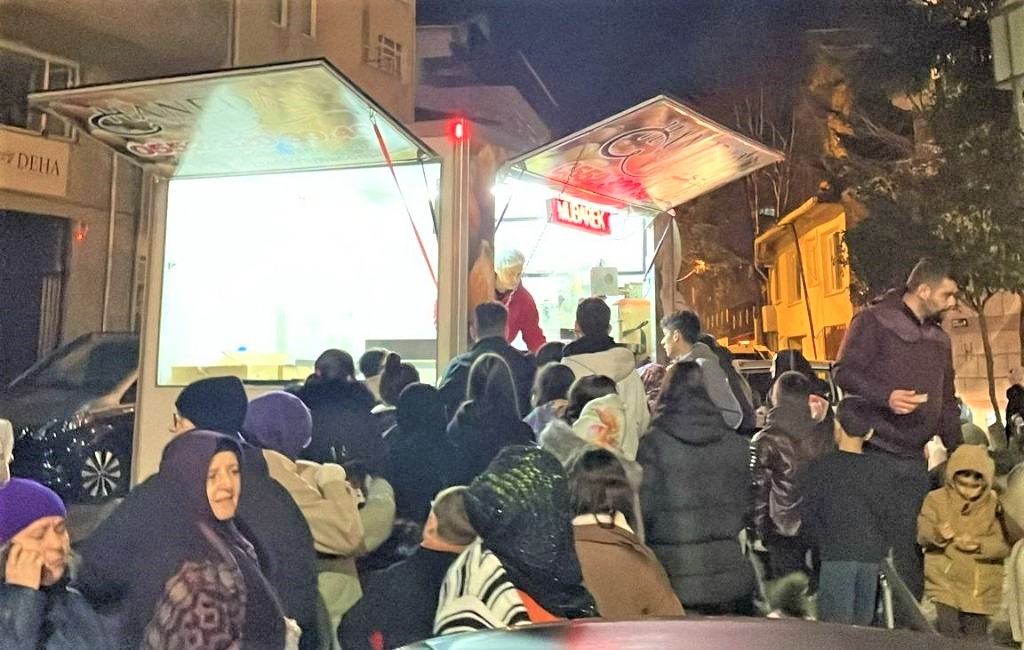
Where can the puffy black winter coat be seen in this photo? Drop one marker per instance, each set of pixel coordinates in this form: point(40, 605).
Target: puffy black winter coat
point(694, 499)
point(344, 430)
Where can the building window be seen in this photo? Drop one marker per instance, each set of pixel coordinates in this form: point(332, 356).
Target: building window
point(809, 255)
point(837, 280)
point(24, 71)
point(389, 56)
point(307, 17)
point(793, 286)
point(280, 13)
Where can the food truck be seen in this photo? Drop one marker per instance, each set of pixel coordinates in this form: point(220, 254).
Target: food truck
point(593, 212)
point(288, 214)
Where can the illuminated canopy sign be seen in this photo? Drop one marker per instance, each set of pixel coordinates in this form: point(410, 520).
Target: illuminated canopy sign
point(654, 156)
point(277, 118)
point(579, 216)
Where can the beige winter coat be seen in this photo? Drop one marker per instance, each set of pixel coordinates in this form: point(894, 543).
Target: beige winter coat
point(967, 581)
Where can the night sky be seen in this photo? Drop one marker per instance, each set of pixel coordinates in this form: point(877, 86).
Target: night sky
point(598, 57)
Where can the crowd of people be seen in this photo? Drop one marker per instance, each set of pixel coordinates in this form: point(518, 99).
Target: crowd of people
point(565, 483)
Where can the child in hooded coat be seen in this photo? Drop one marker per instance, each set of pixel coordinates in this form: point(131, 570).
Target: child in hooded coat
point(964, 544)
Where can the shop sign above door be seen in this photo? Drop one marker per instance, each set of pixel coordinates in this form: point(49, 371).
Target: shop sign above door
point(580, 216)
point(33, 164)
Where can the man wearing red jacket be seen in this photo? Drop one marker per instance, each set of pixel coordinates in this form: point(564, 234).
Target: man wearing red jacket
point(522, 310)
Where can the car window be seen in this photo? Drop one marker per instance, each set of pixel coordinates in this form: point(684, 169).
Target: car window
point(87, 365)
point(760, 383)
point(130, 394)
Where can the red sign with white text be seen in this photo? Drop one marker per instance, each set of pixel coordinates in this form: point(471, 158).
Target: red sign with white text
point(580, 216)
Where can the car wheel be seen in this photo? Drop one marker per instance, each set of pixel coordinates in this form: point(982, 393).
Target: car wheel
point(104, 475)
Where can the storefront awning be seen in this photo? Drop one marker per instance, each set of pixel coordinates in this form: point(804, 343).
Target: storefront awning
point(654, 156)
point(277, 118)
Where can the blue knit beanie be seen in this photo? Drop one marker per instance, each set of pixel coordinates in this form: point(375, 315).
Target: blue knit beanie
point(22, 502)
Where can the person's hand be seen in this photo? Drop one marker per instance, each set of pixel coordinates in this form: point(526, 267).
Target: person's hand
point(24, 568)
point(967, 544)
point(904, 402)
point(945, 530)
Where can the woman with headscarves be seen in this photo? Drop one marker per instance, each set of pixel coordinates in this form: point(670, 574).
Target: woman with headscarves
point(523, 569)
point(205, 588)
point(37, 609)
point(488, 421)
point(420, 453)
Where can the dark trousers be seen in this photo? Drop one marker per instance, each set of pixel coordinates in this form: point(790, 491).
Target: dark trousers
point(847, 592)
point(787, 555)
point(907, 490)
point(960, 625)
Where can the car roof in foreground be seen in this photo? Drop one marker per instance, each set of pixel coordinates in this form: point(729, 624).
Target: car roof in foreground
point(693, 634)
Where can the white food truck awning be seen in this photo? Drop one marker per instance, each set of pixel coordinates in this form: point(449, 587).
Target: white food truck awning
point(275, 118)
point(653, 156)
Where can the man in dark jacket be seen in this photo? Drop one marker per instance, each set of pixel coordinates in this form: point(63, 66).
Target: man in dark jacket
point(897, 357)
point(267, 516)
point(399, 603)
point(490, 322)
point(799, 431)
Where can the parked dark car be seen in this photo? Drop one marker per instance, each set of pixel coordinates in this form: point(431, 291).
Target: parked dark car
point(73, 414)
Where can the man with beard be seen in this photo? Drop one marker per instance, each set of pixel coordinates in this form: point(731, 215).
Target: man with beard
point(897, 357)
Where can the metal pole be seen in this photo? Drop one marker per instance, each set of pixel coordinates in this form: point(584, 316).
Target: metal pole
point(111, 225)
point(803, 283)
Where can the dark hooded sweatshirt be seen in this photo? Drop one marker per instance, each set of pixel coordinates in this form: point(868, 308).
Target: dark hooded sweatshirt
point(888, 348)
point(780, 453)
point(694, 499)
point(456, 375)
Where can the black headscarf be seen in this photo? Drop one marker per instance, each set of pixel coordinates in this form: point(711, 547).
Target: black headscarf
point(520, 508)
point(421, 414)
point(420, 452)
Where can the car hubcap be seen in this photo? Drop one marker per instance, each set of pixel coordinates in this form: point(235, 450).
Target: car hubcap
point(101, 473)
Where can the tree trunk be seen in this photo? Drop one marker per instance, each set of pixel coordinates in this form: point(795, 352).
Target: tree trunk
point(990, 371)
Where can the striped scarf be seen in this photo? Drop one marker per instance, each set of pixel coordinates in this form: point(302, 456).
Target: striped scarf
point(477, 595)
